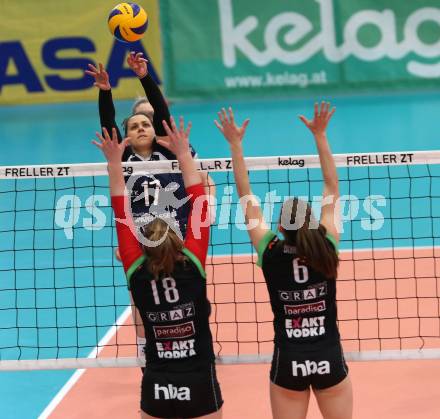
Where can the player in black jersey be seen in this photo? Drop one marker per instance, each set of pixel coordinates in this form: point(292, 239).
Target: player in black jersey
point(167, 280)
point(300, 272)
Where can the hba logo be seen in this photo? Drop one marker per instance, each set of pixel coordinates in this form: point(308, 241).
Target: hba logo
point(310, 368)
point(171, 392)
point(294, 27)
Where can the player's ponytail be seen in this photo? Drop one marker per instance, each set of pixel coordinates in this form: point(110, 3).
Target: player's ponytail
point(163, 257)
point(301, 229)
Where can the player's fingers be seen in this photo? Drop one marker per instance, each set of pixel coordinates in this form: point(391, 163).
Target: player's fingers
point(333, 110)
point(167, 128)
point(105, 132)
point(220, 127)
point(164, 143)
point(225, 116)
point(125, 142)
point(181, 124)
point(245, 124)
point(231, 115)
point(99, 136)
point(173, 124)
point(114, 135)
point(91, 66)
point(188, 129)
point(304, 120)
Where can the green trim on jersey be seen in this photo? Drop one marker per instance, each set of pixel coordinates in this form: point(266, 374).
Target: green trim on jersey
point(268, 236)
point(195, 260)
point(333, 241)
point(138, 262)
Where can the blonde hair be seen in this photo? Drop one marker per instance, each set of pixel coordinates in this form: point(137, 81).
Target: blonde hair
point(162, 258)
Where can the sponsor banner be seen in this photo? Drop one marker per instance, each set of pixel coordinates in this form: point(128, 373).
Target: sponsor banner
point(257, 48)
point(46, 46)
point(224, 165)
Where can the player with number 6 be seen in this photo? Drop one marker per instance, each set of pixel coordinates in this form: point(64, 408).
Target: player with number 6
point(300, 272)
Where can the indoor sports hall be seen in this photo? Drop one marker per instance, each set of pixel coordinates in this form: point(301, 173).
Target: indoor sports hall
point(67, 341)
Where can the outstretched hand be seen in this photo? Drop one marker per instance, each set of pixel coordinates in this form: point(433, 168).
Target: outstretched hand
point(320, 120)
point(110, 147)
point(138, 64)
point(177, 140)
point(227, 126)
point(100, 75)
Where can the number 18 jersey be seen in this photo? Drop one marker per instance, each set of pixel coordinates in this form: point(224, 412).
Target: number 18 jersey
point(174, 308)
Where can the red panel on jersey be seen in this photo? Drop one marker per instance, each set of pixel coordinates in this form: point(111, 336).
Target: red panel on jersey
point(197, 232)
point(129, 247)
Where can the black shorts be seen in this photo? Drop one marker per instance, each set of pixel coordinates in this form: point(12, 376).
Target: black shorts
point(300, 370)
point(188, 394)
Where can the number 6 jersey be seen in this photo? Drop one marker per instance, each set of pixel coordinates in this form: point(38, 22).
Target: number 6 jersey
point(303, 301)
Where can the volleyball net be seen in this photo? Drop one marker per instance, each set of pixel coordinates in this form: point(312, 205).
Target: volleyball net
point(63, 296)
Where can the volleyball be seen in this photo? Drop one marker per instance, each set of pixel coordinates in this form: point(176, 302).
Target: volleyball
point(128, 22)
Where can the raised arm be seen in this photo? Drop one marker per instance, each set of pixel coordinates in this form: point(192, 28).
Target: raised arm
point(129, 247)
point(177, 142)
point(197, 236)
point(256, 225)
point(107, 113)
point(330, 208)
point(161, 112)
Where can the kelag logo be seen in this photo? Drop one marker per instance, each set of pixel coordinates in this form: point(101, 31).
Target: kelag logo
point(407, 31)
point(279, 47)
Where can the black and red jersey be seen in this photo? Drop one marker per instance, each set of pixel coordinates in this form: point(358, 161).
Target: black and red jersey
point(303, 300)
point(175, 308)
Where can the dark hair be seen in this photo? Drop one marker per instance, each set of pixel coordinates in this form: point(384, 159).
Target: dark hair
point(127, 120)
point(301, 229)
point(162, 258)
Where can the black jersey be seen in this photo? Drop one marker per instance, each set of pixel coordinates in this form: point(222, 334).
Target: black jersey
point(303, 301)
point(174, 309)
point(175, 312)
